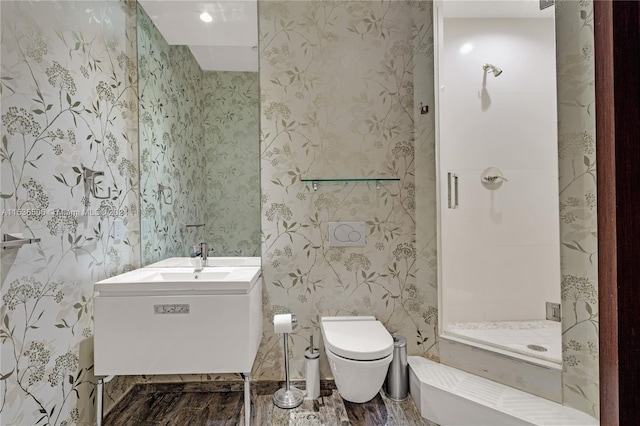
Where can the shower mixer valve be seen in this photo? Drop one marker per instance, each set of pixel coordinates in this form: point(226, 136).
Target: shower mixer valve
point(492, 178)
point(495, 178)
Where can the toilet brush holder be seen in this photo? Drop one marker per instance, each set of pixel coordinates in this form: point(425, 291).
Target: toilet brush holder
point(312, 364)
point(288, 396)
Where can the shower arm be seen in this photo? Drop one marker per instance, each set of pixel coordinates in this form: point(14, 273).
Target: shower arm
point(492, 69)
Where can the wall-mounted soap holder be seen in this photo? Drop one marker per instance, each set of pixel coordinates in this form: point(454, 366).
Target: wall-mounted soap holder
point(91, 186)
point(165, 192)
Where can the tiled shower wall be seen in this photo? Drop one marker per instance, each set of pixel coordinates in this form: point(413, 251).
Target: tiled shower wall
point(500, 247)
point(330, 106)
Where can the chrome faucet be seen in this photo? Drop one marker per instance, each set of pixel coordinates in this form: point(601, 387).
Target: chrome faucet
point(200, 252)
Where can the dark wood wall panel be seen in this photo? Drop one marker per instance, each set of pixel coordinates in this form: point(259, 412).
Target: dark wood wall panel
point(617, 38)
point(607, 253)
point(626, 38)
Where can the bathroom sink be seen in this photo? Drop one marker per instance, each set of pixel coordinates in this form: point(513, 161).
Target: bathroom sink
point(189, 262)
point(180, 280)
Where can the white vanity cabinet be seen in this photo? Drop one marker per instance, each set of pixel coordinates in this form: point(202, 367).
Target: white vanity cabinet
point(178, 320)
point(166, 323)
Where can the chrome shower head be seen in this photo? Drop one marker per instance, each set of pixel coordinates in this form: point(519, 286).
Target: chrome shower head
point(493, 69)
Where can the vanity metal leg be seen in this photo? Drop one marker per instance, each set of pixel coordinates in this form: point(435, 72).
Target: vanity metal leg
point(99, 401)
point(247, 398)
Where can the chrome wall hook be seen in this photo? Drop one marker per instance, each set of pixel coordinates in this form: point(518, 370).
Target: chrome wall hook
point(91, 185)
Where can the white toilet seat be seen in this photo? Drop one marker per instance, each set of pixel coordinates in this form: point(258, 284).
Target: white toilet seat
point(357, 338)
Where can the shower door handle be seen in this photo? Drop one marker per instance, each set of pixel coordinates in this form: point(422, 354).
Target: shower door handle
point(452, 179)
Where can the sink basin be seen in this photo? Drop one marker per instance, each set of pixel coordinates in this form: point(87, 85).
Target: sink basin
point(180, 280)
point(189, 262)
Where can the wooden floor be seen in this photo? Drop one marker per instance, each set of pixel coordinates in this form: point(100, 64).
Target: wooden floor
point(221, 403)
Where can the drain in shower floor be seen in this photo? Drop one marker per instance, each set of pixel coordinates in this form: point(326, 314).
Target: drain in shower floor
point(537, 348)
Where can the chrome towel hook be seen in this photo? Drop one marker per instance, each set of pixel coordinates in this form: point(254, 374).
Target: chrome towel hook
point(90, 181)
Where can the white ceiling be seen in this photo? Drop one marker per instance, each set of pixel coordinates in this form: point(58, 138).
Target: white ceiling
point(496, 9)
point(228, 43)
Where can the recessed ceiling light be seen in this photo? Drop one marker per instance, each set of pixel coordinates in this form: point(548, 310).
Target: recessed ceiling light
point(206, 17)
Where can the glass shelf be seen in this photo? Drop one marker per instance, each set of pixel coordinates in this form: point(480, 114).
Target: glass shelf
point(378, 181)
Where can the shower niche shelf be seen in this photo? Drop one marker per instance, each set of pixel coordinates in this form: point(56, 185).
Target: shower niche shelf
point(378, 181)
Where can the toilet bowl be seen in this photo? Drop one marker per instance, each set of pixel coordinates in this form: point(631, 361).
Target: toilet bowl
point(359, 350)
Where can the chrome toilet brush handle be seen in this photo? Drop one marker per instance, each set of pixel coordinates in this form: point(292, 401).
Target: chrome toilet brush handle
point(288, 396)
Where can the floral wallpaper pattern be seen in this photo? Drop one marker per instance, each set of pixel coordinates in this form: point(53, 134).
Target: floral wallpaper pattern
point(322, 117)
point(199, 137)
point(337, 101)
point(69, 100)
point(172, 151)
point(340, 83)
point(578, 222)
point(425, 175)
point(231, 128)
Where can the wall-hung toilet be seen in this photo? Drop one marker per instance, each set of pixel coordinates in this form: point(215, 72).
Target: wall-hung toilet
point(359, 350)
